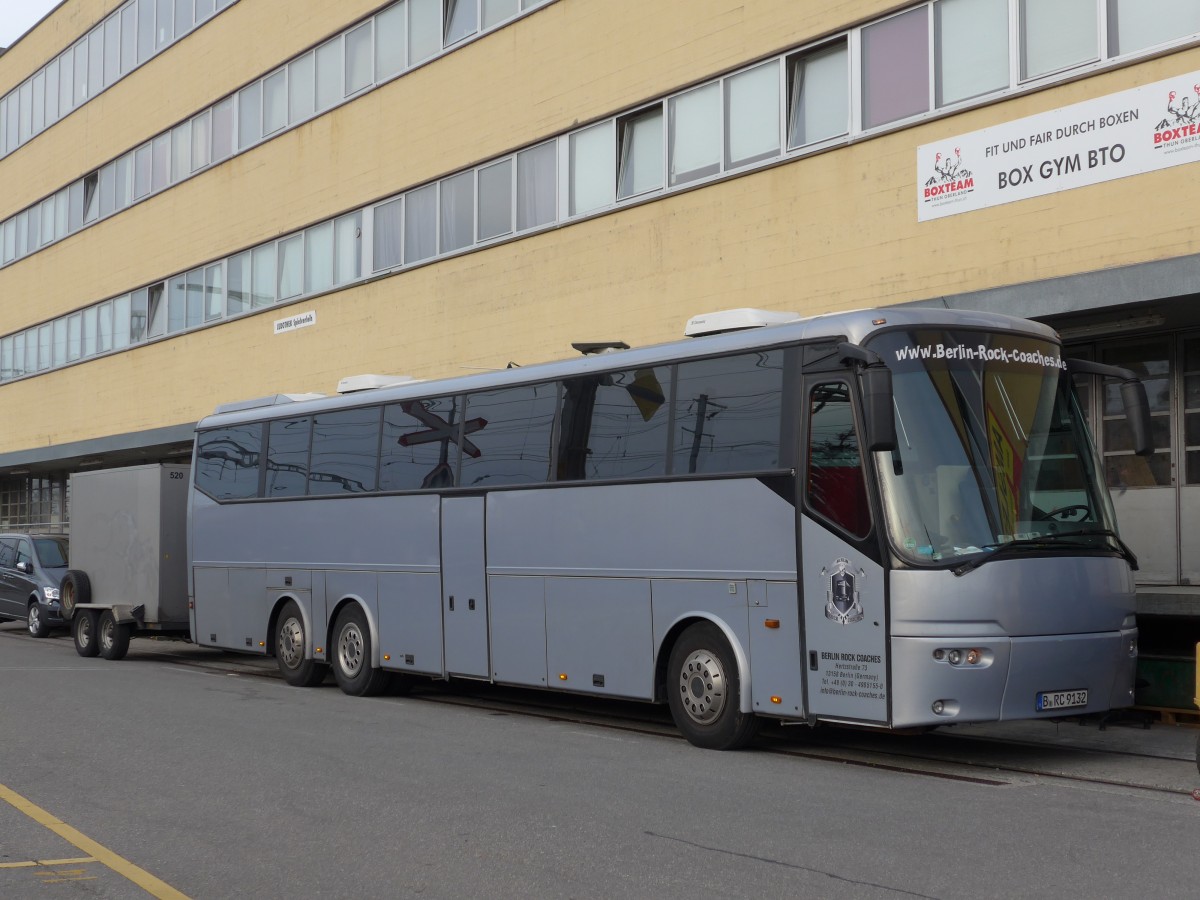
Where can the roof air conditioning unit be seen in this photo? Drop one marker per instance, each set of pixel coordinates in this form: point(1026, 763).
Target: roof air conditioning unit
point(735, 320)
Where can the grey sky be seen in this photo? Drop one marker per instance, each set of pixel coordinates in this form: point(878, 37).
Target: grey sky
point(18, 16)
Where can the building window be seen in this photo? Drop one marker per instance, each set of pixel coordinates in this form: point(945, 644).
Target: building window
point(640, 138)
point(291, 267)
point(461, 20)
point(457, 224)
point(495, 199)
point(250, 115)
point(752, 116)
point(1138, 24)
point(694, 136)
point(263, 276)
point(391, 37)
point(222, 130)
point(275, 105)
point(237, 298)
point(496, 11)
point(214, 292)
point(1058, 35)
point(420, 224)
point(388, 247)
point(537, 186)
point(972, 48)
point(895, 68)
point(318, 258)
point(424, 29)
point(592, 160)
point(348, 248)
point(819, 95)
point(201, 141)
point(359, 65)
point(330, 68)
point(302, 92)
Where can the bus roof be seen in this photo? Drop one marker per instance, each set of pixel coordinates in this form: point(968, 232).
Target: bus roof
point(854, 326)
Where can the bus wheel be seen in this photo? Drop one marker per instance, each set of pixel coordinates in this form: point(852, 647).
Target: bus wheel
point(703, 689)
point(83, 630)
point(112, 636)
point(290, 645)
point(352, 655)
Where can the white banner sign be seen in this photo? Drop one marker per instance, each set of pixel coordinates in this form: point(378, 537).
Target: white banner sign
point(291, 323)
point(1144, 129)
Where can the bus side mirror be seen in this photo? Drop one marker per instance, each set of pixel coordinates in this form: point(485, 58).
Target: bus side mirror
point(1137, 413)
point(877, 407)
point(1133, 399)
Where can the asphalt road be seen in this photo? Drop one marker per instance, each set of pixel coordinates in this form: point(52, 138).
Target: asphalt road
point(148, 777)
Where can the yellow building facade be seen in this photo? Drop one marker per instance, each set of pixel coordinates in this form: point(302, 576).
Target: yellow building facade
point(210, 200)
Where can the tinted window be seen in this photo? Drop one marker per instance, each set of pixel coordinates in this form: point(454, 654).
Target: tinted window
point(24, 552)
point(727, 414)
point(420, 444)
point(8, 552)
point(52, 552)
point(508, 436)
point(614, 425)
point(345, 452)
point(287, 457)
point(227, 461)
point(834, 484)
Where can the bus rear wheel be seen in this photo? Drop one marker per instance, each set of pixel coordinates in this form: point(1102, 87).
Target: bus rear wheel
point(352, 655)
point(703, 688)
point(291, 643)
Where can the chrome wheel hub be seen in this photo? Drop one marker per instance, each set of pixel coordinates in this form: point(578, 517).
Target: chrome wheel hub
point(291, 642)
point(351, 647)
point(702, 686)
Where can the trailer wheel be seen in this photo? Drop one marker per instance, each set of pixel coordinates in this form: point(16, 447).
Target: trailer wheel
point(290, 644)
point(37, 625)
point(112, 636)
point(76, 588)
point(83, 630)
point(352, 655)
point(703, 689)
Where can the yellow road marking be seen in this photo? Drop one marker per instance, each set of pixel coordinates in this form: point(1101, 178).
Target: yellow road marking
point(101, 854)
point(47, 862)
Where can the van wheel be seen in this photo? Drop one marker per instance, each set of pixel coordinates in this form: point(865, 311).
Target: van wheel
point(113, 637)
point(703, 688)
point(290, 645)
point(352, 655)
point(76, 588)
point(37, 625)
point(83, 630)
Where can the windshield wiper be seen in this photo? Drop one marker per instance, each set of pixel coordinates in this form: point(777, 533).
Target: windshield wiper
point(1043, 542)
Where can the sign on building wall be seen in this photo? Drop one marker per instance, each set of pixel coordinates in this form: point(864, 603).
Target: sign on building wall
point(291, 323)
point(1144, 129)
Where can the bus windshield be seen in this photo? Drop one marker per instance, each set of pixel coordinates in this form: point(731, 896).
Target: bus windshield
point(991, 449)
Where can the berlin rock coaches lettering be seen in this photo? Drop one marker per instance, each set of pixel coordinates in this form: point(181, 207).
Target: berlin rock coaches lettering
point(1152, 127)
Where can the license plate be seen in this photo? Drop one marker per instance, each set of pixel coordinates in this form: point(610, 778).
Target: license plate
point(1049, 700)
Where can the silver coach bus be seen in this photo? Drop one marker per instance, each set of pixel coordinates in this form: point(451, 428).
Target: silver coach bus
point(890, 518)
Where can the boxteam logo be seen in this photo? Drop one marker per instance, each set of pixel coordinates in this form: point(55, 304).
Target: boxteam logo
point(842, 603)
point(951, 179)
point(1181, 122)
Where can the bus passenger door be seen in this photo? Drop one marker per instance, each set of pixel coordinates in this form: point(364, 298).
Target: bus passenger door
point(464, 587)
point(845, 629)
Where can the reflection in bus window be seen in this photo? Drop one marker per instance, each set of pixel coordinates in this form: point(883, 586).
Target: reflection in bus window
point(227, 461)
point(614, 425)
point(345, 451)
point(512, 442)
point(727, 414)
point(834, 483)
point(287, 457)
point(420, 444)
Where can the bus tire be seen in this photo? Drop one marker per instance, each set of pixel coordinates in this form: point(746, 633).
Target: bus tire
point(291, 642)
point(703, 687)
point(351, 649)
point(112, 636)
point(76, 588)
point(83, 632)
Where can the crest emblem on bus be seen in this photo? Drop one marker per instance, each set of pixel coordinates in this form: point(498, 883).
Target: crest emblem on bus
point(842, 604)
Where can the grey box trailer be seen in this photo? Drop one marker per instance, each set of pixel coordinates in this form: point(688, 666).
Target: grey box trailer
point(128, 570)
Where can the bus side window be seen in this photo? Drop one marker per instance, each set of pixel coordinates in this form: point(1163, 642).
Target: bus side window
point(834, 483)
point(614, 425)
point(227, 461)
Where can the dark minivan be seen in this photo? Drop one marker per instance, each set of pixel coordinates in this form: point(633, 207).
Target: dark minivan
point(31, 568)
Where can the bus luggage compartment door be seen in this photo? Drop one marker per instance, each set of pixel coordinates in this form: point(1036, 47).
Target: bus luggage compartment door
point(464, 587)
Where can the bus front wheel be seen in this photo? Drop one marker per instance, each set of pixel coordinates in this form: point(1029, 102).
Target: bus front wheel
point(703, 688)
point(290, 644)
point(352, 655)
